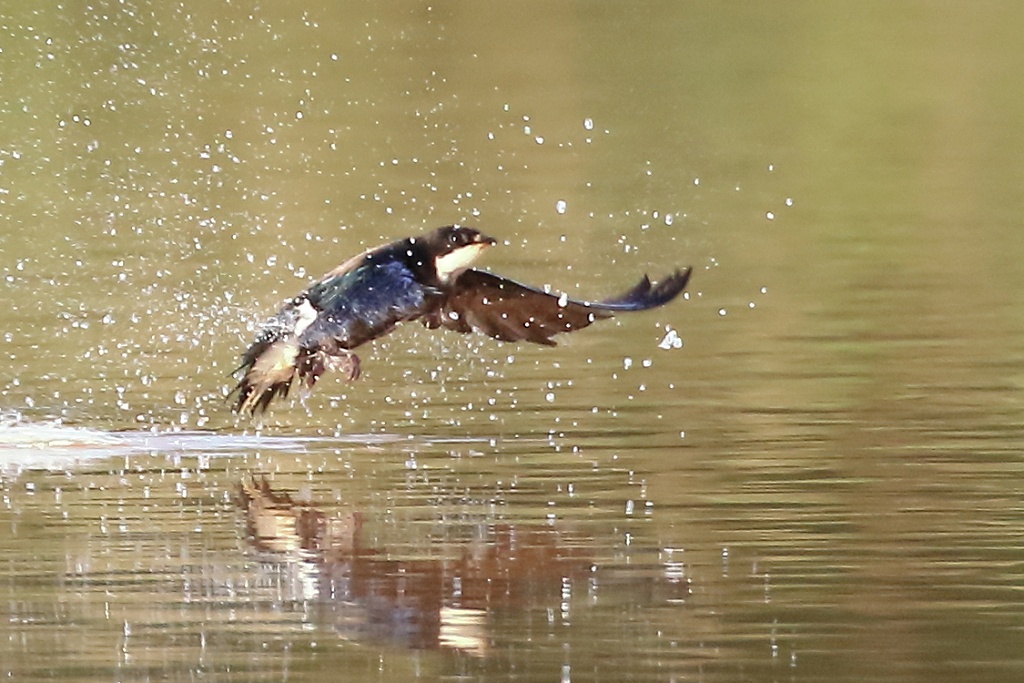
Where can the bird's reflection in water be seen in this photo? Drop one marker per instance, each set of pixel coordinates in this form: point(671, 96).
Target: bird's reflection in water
point(417, 603)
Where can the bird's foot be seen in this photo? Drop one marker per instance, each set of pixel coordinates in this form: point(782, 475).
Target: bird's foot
point(347, 365)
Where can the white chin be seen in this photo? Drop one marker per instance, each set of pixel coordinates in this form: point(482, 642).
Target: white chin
point(451, 265)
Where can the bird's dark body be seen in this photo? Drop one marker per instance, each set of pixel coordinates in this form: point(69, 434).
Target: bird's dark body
point(369, 300)
point(422, 278)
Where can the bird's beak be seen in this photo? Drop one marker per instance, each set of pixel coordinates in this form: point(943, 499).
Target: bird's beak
point(486, 240)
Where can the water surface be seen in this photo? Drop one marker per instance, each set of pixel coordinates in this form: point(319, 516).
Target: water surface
point(820, 483)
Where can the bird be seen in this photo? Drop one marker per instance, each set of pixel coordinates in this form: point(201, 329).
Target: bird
point(428, 278)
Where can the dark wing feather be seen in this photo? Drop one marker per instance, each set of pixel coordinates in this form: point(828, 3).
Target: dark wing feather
point(510, 311)
point(353, 304)
point(362, 304)
point(645, 295)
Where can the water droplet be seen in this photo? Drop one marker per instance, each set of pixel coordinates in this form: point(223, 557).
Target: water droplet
point(588, 123)
point(560, 206)
point(671, 340)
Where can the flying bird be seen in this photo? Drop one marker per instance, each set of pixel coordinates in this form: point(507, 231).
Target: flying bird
point(426, 278)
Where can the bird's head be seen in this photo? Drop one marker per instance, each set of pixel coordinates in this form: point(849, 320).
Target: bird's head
point(455, 248)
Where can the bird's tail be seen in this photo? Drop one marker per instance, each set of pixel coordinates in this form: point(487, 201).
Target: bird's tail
point(267, 373)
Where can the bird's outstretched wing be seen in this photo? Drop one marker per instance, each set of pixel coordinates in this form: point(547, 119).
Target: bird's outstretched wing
point(511, 311)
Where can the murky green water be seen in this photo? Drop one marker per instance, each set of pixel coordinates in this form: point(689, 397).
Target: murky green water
point(823, 483)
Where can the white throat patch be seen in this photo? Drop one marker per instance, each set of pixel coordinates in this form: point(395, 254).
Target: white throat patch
point(453, 264)
point(307, 316)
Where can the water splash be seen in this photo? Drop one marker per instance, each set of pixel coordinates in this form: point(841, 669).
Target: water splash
point(671, 340)
point(50, 444)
